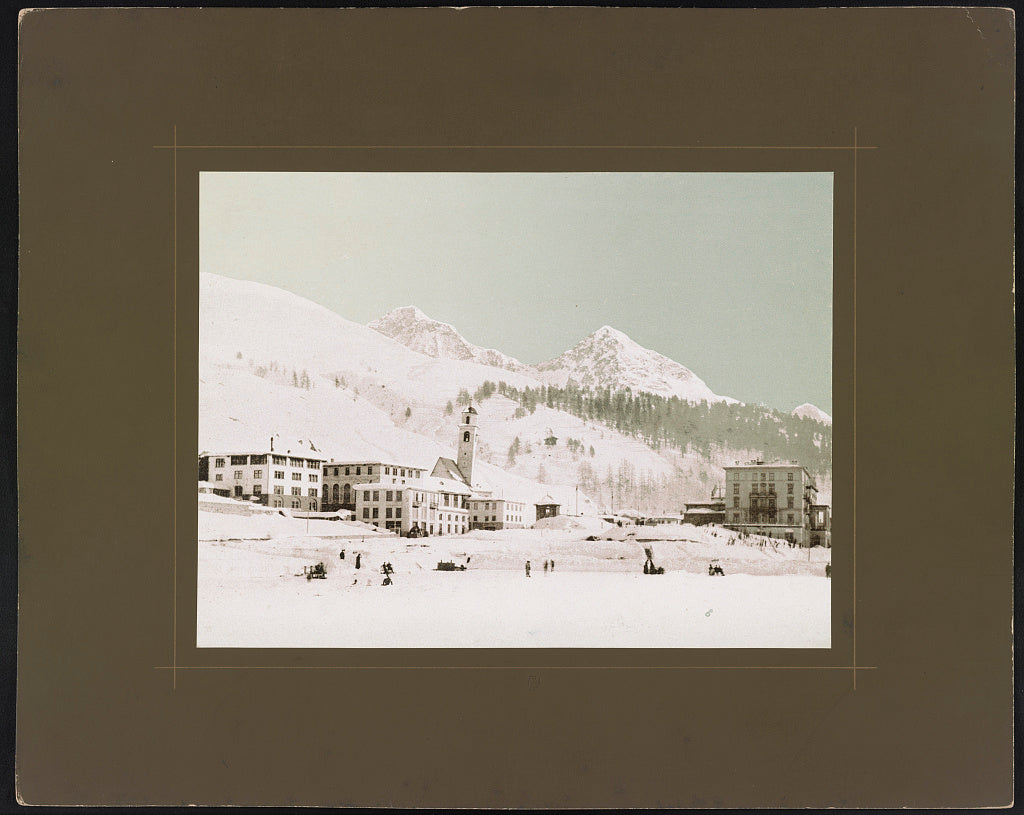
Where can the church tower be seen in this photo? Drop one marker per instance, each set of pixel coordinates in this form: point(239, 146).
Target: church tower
point(467, 443)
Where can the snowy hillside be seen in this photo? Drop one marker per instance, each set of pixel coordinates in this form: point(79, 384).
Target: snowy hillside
point(272, 363)
point(417, 331)
point(608, 358)
point(809, 411)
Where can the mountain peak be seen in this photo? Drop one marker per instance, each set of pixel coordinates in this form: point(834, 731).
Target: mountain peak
point(809, 411)
point(606, 332)
point(414, 329)
point(610, 358)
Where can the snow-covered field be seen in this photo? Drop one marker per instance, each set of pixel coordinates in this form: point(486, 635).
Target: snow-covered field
point(252, 592)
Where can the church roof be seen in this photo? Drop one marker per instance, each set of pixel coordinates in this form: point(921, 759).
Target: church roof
point(447, 468)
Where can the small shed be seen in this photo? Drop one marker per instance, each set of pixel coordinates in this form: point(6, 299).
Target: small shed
point(547, 507)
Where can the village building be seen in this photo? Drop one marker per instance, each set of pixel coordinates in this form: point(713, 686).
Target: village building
point(821, 525)
point(547, 507)
point(773, 499)
point(702, 513)
point(289, 479)
point(487, 512)
point(434, 506)
point(340, 478)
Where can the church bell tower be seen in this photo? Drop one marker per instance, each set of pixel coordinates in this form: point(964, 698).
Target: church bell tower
point(467, 443)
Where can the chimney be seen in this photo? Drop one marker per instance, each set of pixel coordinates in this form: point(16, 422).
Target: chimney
point(271, 444)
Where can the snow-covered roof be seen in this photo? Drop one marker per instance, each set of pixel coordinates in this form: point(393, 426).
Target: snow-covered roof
point(547, 499)
point(428, 484)
point(447, 468)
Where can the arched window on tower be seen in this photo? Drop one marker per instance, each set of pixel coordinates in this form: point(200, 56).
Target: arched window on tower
point(467, 420)
point(465, 436)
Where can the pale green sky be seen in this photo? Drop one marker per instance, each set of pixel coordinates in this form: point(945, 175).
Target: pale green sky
point(729, 274)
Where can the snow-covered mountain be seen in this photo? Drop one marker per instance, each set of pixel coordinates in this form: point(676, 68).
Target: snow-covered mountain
point(809, 411)
point(608, 358)
point(417, 331)
point(272, 363)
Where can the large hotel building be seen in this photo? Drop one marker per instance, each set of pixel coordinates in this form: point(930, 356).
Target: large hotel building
point(779, 500)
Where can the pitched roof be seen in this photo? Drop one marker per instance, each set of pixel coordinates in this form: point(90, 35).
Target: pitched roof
point(447, 468)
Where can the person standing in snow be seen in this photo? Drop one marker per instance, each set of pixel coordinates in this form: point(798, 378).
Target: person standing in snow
point(552, 565)
point(545, 567)
point(527, 568)
point(358, 559)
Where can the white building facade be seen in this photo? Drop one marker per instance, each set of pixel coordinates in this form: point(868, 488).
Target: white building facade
point(433, 506)
point(498, 513)
point(773, 499)
point(287, 481)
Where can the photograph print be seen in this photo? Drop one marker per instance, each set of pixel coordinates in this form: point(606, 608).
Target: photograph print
point(515, 410)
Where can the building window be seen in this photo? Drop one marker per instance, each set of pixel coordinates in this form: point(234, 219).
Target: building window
point(312, 493)
point(238, 490)
point(296, 490)
point(376, 512)
point(312, 505)
point(279, 459)
point(236, 460)
point(771, 476)
point(736, 517)
point(398, 495)
point(257, 473)
point(346, 494)
point(277, 503)
point(789, 488)
point(366, 512)
point(295, 504)
point(465, 436)
point(359, 471)
point(366, 495)
point(314, 477)
point(387, 512)
point(279, 474)
point(390, 496)
point(257, 459)
point(218, 477)
point(337, 468)
point(257, 489)
point(238, 475)
point(219, 463)
point(736, 489)
point(736, 501)
point(762, 476)
point(376, 495)
point(398, 512)
point(296, 476)
point(789, 518)
point(278, 490)
point(789, 476)
point(789, 502)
